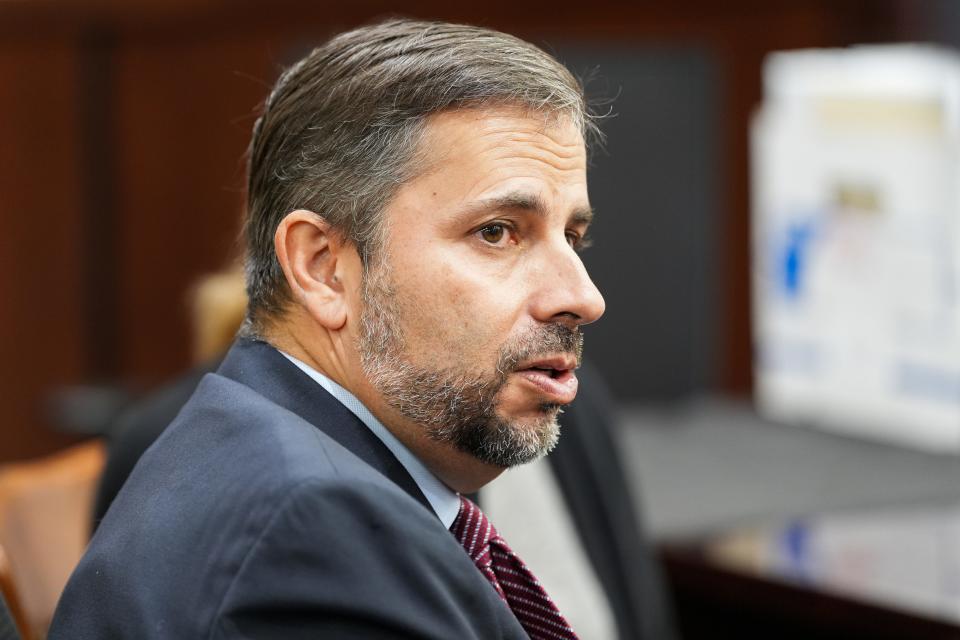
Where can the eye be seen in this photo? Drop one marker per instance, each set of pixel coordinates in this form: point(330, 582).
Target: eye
point(493, 233)
point(577, 241)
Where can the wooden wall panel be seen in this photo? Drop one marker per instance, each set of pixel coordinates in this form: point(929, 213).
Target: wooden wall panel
point(41, 238)
point(184, 115)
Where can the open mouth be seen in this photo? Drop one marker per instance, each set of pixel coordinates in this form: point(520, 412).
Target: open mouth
point(553, 373)
point(553, 378)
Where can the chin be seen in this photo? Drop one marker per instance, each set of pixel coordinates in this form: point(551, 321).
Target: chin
point(542, 418)
point(512, 442)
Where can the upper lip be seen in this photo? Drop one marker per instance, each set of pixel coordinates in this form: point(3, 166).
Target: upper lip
point(558, 362)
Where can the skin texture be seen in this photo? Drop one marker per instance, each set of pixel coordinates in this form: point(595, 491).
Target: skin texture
point(479, 253)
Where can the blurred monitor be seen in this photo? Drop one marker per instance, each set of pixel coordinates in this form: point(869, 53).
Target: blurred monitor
point(856, 242)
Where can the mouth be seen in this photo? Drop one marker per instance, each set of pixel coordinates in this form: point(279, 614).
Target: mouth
point(553, 377)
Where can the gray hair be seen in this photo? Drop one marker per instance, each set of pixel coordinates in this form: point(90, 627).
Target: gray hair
point(340, 131)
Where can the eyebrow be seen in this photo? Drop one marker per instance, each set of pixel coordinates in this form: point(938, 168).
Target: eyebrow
point(525, 202)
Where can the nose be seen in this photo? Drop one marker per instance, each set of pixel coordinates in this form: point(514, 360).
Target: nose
point(567, 294)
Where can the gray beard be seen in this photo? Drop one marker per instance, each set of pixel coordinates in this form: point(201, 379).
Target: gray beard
point(454, 406)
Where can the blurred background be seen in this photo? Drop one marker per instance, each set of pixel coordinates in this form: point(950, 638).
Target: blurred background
point(123, 127)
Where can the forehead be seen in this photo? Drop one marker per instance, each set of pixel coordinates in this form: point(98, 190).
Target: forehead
point(476, 146)
point(480, 126)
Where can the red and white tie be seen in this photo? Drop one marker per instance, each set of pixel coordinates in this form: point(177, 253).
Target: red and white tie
point(537, 613)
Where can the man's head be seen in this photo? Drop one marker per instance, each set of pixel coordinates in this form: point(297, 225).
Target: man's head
point(341, 129)
point(416, 191)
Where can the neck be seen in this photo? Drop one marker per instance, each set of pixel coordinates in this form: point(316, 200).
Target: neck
point(319, 352)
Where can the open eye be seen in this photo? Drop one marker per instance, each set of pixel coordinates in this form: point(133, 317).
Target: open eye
point(493, 233)
point(578, 241)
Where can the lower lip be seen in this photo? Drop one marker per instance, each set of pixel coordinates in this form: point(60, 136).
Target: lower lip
point(562, 389)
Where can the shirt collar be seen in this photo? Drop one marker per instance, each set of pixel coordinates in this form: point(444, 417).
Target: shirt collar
point(445, 501)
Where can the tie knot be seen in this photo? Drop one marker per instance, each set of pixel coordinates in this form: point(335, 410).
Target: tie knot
point(473, 531)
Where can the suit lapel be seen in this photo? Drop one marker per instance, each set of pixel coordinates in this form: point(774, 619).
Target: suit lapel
point(265, 370)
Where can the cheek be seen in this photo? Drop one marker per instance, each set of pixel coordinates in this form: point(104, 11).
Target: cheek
point(443, 313)
point(455, 314)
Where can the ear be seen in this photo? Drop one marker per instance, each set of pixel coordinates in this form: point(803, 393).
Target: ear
point(308, 250)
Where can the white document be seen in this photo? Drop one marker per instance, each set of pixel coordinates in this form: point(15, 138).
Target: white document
point(856, 243)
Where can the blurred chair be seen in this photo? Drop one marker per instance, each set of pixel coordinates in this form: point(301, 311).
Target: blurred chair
point(11, 616)
point(590, 473)
point(44, 527)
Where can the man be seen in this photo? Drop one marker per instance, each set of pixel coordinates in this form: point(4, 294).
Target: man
point(417, 195)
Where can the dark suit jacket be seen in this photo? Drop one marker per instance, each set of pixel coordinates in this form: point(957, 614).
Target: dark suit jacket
point(268, 510)
point(138, 427)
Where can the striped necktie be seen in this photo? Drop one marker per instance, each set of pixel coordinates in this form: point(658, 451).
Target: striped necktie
point(518, 587)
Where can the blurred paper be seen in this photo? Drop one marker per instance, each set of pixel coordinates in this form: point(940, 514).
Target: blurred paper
point(856, 243)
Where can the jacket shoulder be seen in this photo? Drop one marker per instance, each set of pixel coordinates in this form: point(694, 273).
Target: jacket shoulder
point(347, 559)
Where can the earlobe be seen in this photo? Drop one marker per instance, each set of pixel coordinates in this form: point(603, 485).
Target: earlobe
point(308, 250)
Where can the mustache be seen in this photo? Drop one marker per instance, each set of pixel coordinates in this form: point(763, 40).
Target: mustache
point(470, 395)
point(540, 341)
